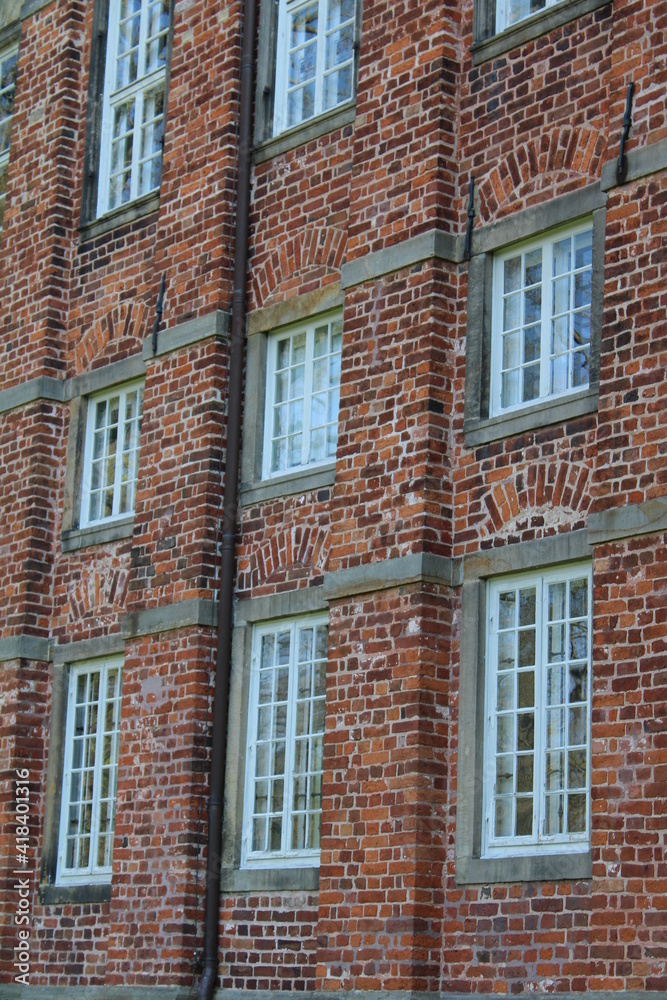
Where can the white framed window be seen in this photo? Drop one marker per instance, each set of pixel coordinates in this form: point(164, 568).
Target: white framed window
point(89, 773)
point(541, 327)
point(111, 454)
point(314, 59)
point(9, 58)
point(283, 788)
point(302, 396)
point(537, 734)
point(134, 98)
point(509, 12)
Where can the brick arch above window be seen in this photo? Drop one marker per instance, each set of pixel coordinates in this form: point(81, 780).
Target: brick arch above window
point(299, 552)
point(126, 322)
point(544, 495)
point(552, 160)
point(98, 594)
point(313, 255)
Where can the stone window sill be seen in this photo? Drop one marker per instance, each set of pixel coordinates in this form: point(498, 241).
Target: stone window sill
point(532, 27)
point(537, 868)
point(61, 895)
point(302, 134)
point(305, 481)
point(99, 534)
point(479, 432)
point(270, 880)
point(138, 209)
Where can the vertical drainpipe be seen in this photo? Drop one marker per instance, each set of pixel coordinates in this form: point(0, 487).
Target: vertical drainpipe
point(209, 977)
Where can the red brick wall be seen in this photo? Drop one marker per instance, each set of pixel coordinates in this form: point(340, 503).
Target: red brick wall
point(530, 125)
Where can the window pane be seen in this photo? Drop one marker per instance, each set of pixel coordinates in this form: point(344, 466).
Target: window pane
point(338, 86)
point(504, 775)
point(562, 257)
point(559, 373)
point(532, 305)
point(524, 817)
point(526, 698)
point(531, 383)
point(506, 650)
point(518, 9)
point(578, 684)
point(503, 825)
point(532, 344)
point(580, 368)
point(507, 606)
point(583, 249)
point(505, 734)
point(576, 814)
point(527, 604)
point(512, 275)
point(505, 699)
point(511, 350)
point(532, 264)
point(512, 312)
point(561, 295)
point(554, 814)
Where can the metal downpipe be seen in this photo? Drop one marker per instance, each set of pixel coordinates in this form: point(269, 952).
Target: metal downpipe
point(209, 977)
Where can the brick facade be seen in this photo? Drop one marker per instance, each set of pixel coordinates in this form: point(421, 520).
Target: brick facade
point(427, 501)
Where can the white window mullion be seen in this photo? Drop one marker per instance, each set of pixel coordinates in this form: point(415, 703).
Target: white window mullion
point(118, 464)
point(67, 773)
point(547, 313)
point(143, 35)
point(142, 85)
point(97, 773)
point(307, 395)
point(251, 754)
point(272, 365)
point(491, 711)
point(108, 112)
point(540, 711)
point(288, 791)
point(280, 94)
point(137, 96)
point(497, 336)
point(321, 55)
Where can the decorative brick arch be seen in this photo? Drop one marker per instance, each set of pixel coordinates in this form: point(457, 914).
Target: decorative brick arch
point(125, 322)
point(294, 553)
point(548, 161)
point(547, 494)
point(312, 253)
point(97, 594)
